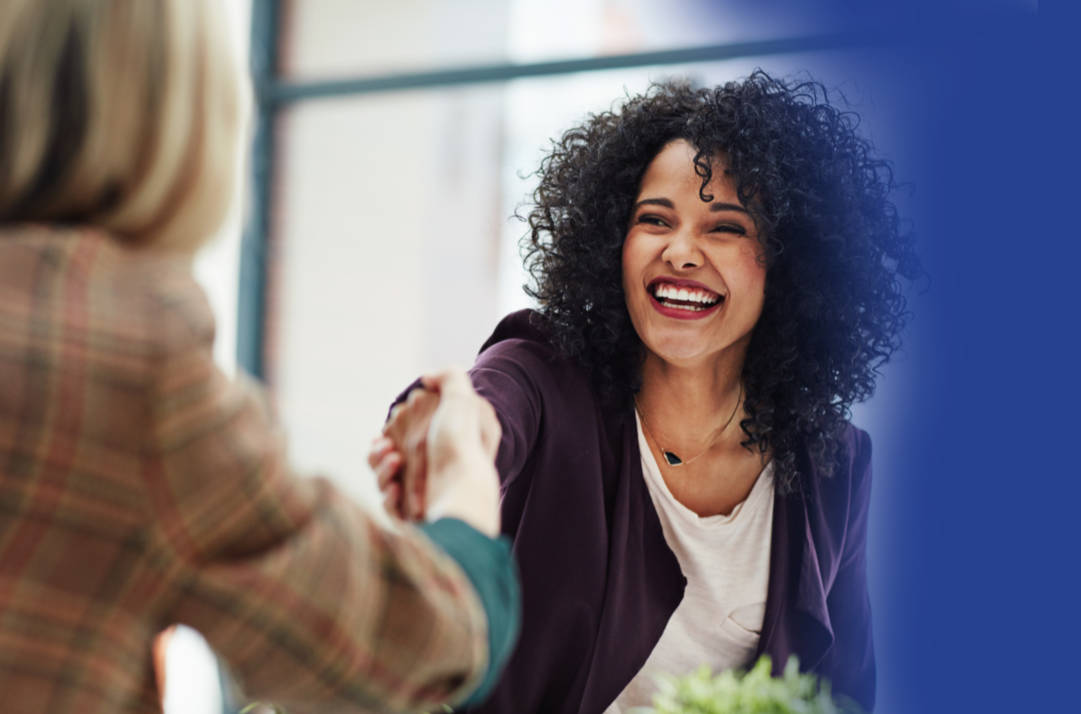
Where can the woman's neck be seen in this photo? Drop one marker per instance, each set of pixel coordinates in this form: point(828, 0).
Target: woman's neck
point(689, 404)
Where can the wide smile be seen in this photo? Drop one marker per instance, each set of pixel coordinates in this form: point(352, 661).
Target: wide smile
point(683, 299)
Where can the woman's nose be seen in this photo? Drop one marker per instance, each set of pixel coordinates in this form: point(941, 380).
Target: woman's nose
point(682, 252)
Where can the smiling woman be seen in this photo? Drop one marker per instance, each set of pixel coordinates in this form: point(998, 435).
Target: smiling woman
point(719, 276)
point(691, 260)
point(694, 283)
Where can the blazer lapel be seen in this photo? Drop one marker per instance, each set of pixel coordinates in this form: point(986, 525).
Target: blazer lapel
point(645, 584)
point(797, 618)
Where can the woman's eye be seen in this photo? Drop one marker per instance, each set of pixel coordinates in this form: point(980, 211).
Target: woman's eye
point(652, 220)
point(730, 228)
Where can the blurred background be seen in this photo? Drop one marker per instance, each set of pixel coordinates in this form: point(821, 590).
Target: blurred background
point(393, 141)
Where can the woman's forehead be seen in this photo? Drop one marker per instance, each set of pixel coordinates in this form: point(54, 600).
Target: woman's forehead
point(673, 169)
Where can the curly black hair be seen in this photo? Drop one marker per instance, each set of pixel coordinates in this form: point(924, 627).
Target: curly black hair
point(834, 246)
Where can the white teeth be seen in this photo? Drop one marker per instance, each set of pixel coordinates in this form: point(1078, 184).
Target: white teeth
point(671, 292)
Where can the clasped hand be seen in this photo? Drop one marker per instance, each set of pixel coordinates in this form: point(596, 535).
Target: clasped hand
point(436, 455)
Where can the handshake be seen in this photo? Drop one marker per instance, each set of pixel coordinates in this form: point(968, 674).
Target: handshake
point(436, 455)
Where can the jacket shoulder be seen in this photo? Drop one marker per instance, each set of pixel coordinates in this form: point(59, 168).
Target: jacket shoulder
point(833, 503)
point(79, 284)
point(855, 458)
point(522, 329)
point(520, 345)
point(851, 460)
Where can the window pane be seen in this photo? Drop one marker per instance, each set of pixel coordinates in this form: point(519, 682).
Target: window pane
point(324, 39)
point(387, 219)
point(336, 38)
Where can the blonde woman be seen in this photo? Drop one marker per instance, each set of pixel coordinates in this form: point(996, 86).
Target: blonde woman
point(138, 486)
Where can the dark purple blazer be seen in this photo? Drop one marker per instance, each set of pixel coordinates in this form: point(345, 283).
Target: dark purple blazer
point(598, 579)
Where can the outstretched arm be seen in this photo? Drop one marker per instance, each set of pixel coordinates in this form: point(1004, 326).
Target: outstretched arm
point(309, 601)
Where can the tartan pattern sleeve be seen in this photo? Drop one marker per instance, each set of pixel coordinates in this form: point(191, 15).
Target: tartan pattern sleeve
point(140, 487)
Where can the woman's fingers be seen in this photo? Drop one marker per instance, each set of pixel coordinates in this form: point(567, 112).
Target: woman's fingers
point(380, 446)
point(405, 461)
point(451, 379)
point(388, 468)
point(392, 499)
point(386, 462)
point(468, 412)
point(384, 459)
point(414, 497)
point(409, 418)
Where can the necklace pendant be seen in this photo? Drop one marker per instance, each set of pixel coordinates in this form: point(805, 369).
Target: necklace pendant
point(671, 458)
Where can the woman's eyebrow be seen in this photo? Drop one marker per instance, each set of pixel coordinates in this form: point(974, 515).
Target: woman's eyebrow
point(716, 207)
point(656, 201)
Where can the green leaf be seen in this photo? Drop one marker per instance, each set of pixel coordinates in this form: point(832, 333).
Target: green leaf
point(253, 706)
point(752, 692)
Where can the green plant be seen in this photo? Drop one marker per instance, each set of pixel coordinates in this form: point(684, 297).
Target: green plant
point(753, 692)
point(261, 708)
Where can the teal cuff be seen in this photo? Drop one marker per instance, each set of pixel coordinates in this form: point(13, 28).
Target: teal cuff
point(491, 569)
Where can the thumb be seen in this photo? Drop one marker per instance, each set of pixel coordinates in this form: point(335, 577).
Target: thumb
point(449, 380)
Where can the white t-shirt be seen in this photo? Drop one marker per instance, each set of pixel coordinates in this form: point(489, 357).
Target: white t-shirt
point(725, 559)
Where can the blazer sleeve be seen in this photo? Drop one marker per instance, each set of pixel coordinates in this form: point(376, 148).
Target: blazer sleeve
point(511, 375)
point(310, 602)
point(848, 601)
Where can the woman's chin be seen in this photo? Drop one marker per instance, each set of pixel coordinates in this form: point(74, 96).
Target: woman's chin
point(683, 356)
point(693, 351)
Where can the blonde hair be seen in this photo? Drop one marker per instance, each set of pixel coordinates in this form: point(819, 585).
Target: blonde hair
point(121, 114)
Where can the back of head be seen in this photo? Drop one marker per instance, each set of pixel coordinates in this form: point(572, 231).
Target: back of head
point(119, 114)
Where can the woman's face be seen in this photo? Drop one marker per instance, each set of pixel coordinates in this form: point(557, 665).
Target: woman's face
point(691, 275)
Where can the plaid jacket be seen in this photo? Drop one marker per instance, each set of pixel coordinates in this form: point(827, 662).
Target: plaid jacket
point(139, 487)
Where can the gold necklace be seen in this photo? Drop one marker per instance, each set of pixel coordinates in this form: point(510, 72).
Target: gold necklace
point(670, 456)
